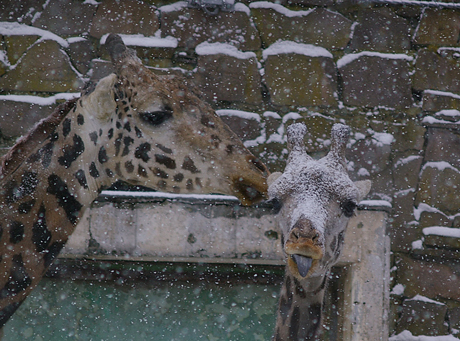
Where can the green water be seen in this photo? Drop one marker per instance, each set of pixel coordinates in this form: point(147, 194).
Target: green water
point(85, 310)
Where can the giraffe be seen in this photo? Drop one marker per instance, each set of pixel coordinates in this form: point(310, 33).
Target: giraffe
point(132, 125)
point(315, 200)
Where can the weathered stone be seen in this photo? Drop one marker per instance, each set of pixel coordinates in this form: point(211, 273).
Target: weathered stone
point(424, 278)
point(126, 17)
point(66, 17)
point(320, 26)
point(443, 145)
point(406, 171)
point(226, 78)
point(100, 69)
point(17, 45)
point(371, 80)
point(437, 72)
point(402, 229)
point(245, 125)
point(456, 222)
point(439, 187)
point(436, 218)
point(381, 30)
point(409, 136)
point(438, 27)
point(193, 26)
point(45, 68)
point(155, 56)
point(436, 100)
point(298, 79)
point(454, 317)
point(81, 52)
point(432, 239)
point(422, 316)
point(308, 2)
point(17, 118)
point(20, 11)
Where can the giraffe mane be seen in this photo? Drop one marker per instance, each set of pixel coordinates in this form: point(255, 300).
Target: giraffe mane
point(25, 145)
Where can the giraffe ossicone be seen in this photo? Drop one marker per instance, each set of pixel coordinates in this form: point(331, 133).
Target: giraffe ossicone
point(132, 125)
point(316, 200)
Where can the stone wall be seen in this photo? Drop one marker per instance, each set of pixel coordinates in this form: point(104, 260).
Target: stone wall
point(391, 72)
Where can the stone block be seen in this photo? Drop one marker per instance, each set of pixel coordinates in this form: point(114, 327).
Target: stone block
point(454, 317)
point(301, 77)
point(44, 68)
point(442, 237)
point(308, 2)
point(437, 100)
point(430, 279)
point(20, 11)
point(408, 136)
point(66, 18)
point(436, 71)
point(319, 26)
point(124, 17)
point(406, 171)
point(438, 27)
point(318, 134)
point(232, 78)
point(422, 316)
point(17, 45)
point(439, 187)
point(100, 69)
point(435, 218)
point(191, 26)
point(81, 52)
point(443, 145)
point(372, 79)
point(402, 229)
point(456, 222)
point(245, 125)
point(380, 29)
point(17, 118)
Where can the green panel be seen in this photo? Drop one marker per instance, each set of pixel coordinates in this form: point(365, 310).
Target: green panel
point(89, 310)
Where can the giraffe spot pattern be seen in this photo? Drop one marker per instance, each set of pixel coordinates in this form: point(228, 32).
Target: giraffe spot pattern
point(15, 192)
point(26, 207)
point(109, 172)
point(166, 161)
point(129, 167)
point(160, 173)
point(18, 279)
point(93, 170)
point(81, 178)
point(178, 177)
point(102, 155)
point(80, 119)
point(141, 171)
point(16, 230)
point(138, 132)
point(71, 153)
point(164, 149)
point(189, 165)
point(127, 142)
point(110, 133)
point(118, 144)
point(51, 252)
point(41, 236)
point(70, 205)
point(142, 151)
point(66, 127)
point(93, 137)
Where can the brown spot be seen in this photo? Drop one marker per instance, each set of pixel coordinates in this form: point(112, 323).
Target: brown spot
point(160, 173)
point(176, 189)
point(142, 171)
point(129, 167)
point(178, 177)
point(207, 121)
point(118, 169)
point(164, 149)
point(166, 161)
point(229, 148)
point(215, 141)
point(189, 185)
point(162, 184)
point(189, 165)
point(198, 182)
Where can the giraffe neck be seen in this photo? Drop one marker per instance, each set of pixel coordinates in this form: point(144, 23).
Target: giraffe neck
point(300, 308)
point(41, 202)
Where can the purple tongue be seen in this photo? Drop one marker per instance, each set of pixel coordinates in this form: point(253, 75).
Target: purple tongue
point(303, 264)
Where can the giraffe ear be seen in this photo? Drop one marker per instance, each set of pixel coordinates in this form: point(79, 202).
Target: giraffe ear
point(364, 187)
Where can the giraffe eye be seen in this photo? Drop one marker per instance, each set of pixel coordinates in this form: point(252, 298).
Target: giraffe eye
point(156, 117)
point(348, 208)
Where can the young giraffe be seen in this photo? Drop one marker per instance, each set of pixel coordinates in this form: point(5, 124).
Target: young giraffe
point(133, 125)
point(316, 200)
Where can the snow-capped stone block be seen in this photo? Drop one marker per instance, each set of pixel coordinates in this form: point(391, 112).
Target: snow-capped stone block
point(224, 73)
point(423, 316)
point(437, 70)
point(126, 17)
point(406, 172)
point(434, 100)
point(443, 145)
point(373, 79)
point(300, 74)
point(381, 30)
point(319, 26)
point(246, 125)
point(438, 26)
point(193, 26)
point(439, 187)
point(44, 68)
point(442, 237)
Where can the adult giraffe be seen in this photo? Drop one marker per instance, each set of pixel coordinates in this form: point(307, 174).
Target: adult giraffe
point(316, 200)
point(133, 125)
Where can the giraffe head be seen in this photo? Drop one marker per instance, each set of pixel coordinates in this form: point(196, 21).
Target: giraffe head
point(316, 200)
point(161, 135)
